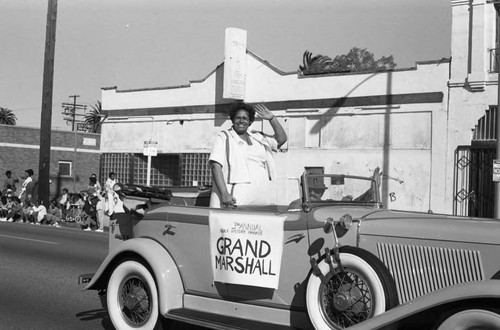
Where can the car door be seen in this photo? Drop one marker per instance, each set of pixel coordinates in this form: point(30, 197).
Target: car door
point(188, 241)
point(294, 268)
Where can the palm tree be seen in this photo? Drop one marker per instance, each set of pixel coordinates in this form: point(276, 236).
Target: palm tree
point(93, 118)
point(7, 117)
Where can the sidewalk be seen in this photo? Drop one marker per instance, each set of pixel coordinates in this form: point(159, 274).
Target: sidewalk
point(72, 224)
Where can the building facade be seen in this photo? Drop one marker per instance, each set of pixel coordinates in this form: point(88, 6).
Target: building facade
point(472, 107)
point(74, 156)
point(343, 123)
point(416, 124)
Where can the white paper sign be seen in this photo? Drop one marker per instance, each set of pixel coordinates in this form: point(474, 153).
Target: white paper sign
point(246, 248)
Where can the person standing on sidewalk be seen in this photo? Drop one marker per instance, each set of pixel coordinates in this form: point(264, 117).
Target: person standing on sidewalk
point(27, 188)
point(108, 189)
point(100, 212)
point(97, 185)
point(64, 203)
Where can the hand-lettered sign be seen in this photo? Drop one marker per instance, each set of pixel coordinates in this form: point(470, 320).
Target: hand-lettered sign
point(246, 248)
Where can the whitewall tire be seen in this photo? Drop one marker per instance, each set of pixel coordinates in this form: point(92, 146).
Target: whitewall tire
point(343, 299)
point(471, 319)
point(132, 297)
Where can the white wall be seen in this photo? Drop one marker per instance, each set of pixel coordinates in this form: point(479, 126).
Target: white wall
point(346, 139)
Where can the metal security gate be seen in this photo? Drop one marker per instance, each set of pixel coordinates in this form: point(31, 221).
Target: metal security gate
point(474, 190)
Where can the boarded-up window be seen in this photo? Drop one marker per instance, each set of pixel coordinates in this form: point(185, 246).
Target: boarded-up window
point(65, 168)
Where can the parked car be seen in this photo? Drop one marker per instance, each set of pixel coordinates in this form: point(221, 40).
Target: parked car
point(332, 258)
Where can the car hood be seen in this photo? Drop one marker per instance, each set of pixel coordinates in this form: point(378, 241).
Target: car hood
point(421, 225)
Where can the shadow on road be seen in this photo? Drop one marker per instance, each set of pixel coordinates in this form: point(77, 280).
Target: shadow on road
point(106, 321)
point(97, 314)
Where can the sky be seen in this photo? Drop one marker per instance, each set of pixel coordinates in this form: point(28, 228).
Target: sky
point(158, 43)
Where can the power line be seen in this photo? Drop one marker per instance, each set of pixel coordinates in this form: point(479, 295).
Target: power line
point(74, 113)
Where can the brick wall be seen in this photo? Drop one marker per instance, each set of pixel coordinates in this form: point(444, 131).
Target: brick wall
point(19, 150)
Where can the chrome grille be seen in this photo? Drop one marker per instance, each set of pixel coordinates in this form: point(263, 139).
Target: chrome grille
point(418, 270)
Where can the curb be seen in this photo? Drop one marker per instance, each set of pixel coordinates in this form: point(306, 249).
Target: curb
point(74, 225)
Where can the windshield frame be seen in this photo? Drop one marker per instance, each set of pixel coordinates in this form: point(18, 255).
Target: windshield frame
point(309, 177)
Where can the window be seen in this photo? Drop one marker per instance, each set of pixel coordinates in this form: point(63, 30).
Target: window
point(65, 168)
point(315, 170)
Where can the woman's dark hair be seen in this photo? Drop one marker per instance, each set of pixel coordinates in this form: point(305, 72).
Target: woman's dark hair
point(242, 106)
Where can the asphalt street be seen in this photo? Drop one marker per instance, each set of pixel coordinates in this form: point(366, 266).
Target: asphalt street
point(39, 268)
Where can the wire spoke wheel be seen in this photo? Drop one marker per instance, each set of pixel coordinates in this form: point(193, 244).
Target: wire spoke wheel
point(346, 299)
point(341, 299)
point(132, 298)
point(135, 301)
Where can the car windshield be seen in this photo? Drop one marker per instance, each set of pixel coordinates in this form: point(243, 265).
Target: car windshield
point(340, 188)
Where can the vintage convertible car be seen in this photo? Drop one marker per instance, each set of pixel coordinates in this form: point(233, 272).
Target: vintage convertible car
point(330, 259)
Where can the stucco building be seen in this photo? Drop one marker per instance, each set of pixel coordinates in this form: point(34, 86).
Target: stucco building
point(411, 122)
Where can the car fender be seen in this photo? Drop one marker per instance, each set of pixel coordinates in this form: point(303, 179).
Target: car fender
point(489, 289)
point(167, 276)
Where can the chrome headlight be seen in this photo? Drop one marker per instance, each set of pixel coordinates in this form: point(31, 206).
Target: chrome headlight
point(328, 225)
point(346, 221)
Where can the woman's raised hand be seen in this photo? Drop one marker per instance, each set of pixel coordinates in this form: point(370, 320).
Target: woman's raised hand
point(263, 111)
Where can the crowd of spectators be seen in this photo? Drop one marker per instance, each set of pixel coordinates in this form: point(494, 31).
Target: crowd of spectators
point(18, 203)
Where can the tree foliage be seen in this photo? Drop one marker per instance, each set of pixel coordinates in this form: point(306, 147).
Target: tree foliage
point(356, 60)
point(7, 117)
point(94, 118)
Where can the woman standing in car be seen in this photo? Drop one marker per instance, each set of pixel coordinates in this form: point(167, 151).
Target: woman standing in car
point(242, 160)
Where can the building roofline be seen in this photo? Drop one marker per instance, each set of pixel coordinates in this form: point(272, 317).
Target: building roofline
point(280, 72)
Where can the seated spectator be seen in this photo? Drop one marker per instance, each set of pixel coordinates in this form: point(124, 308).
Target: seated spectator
point(3, 208)
point(39, 212)
point(27, 213)
point(9, 182)
point(79, 199)
point(53, 215)
point(15, 210)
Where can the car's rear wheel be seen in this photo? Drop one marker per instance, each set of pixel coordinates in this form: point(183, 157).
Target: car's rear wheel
point(132, 298)
point(338, 300)
point(471, 319)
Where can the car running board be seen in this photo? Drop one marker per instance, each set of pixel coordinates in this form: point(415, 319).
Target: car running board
point(220, 322)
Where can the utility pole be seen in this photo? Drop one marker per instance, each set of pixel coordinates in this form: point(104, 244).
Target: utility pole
point(497, 60)
point(74, 111)
point(74, 114)
point(76, 141)
point(46, 115)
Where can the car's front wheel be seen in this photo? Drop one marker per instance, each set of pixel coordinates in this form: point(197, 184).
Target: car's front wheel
point(132, 297)
point(471, 319)
point(338, 300)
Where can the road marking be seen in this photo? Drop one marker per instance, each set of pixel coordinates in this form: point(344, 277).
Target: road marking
point(30, 239)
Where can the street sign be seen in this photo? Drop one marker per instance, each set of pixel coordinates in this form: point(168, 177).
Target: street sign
point(496, 170)
point(150, 148)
